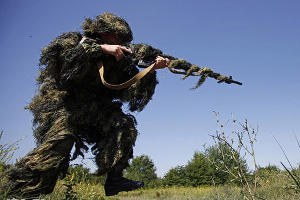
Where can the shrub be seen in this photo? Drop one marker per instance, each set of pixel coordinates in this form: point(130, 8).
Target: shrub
point(142, 168)
point(176, 177)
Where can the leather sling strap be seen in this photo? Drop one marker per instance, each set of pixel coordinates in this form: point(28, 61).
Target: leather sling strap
point(126, 84)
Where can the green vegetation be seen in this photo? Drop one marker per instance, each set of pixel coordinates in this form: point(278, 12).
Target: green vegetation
point(218, 172)
point(271, 187)
point(182, 182)
point(142, 168)
point(203, 169)
point(6, 154)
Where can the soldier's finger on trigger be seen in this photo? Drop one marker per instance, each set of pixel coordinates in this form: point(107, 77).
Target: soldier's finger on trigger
point(119, 52)
point(122, 53)
point(118, 56)
point(125, 49)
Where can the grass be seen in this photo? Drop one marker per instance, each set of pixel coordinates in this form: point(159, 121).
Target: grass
point(272, 186)
point(96, 192)
point(266, 184)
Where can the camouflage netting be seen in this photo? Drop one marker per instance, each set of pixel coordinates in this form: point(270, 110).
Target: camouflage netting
point(107, 23)
point(178, 66)
point(38, 171)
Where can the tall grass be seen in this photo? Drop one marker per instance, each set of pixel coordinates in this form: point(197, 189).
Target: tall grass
point(6, 151)
point(6, 154)
point(271, 188)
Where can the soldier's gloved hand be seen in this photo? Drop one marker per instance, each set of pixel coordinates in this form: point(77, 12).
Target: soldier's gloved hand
point(115, 50)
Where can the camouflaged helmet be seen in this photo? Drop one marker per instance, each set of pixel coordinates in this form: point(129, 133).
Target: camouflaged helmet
point(107, 23)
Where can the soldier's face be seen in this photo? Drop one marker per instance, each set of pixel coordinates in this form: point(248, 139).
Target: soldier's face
point(110, 38)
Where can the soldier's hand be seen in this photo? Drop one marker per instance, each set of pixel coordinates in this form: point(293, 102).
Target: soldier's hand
point(115, 50)
point(161, 62)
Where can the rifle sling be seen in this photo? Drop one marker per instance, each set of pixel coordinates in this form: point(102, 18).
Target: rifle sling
point(126, 84)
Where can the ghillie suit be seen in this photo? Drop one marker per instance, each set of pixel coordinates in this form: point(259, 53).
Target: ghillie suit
point(74, 107)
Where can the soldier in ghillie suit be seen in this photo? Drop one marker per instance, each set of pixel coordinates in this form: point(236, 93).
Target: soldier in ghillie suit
point(77, 106)
point(74, 107)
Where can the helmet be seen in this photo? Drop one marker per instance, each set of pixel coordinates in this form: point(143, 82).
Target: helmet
point(107, 23)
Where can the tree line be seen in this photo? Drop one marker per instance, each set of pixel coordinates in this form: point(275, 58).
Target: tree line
point(209, 167)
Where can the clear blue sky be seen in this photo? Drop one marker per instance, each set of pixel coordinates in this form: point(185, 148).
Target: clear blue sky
point(257, 42)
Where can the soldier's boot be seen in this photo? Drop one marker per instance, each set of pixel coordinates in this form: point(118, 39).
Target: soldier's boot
point(116, 183)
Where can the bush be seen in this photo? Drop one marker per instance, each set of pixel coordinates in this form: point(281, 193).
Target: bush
point(208, 168)
point(199, 171)
point(80, 173)
point(176, 177)
point(224, 159)
point(264, 172)
point(142, 168)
